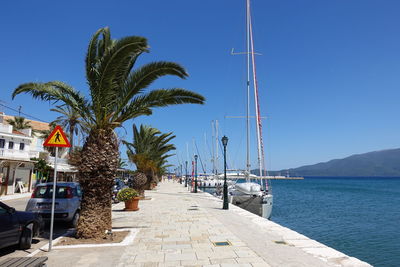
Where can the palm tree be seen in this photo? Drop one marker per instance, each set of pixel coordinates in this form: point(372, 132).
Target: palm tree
point(118, 92)
point(19, 123)
point(122, 163)
point(149, 153)
point(70, 121)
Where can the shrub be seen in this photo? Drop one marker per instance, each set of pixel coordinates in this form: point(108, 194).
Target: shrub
point(127, 194)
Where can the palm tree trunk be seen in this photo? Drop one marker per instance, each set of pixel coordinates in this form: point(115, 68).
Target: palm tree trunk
point(96, 176)
point(149, 179)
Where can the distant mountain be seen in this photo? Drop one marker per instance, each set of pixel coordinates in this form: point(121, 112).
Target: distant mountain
point(377, 163)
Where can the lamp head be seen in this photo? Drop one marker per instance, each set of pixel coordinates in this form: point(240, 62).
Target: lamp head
point(225, 141)
point(195, 157)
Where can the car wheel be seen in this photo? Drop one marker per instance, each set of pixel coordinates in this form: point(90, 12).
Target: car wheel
point(75, 219)
point(26, 237)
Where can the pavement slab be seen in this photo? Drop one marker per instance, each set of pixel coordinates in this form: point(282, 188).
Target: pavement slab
point(178, 228)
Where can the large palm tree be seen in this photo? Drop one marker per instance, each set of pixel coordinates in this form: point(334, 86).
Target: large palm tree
point(118, 92)
point(70, 120)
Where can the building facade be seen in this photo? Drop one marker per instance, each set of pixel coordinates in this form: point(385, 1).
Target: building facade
point(17, 148)
point(15, 152)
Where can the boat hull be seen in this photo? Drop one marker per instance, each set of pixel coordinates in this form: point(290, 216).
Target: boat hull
point(259, 205)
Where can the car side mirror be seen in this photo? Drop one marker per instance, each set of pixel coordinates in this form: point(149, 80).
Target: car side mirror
point(11, 210)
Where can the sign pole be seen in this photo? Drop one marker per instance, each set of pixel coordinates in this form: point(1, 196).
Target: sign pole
point(53, 201)
point(57, 138)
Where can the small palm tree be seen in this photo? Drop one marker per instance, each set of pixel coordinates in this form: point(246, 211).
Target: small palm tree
point(149, 152)
point(19, 123)
point(118, 93)
point(122, 163)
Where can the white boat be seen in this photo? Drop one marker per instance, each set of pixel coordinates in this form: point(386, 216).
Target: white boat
point(254, 194)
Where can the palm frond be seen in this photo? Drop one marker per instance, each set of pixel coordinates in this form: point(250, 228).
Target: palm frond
point(112, 69)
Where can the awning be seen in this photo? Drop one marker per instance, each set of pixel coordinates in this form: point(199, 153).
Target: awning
point(64, 168)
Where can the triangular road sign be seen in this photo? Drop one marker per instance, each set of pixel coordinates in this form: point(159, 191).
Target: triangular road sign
point(57, 138)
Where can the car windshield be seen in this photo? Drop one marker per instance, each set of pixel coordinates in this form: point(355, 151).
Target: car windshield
point(47, 191)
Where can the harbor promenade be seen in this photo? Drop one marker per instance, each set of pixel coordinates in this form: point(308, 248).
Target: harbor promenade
point(178, 228)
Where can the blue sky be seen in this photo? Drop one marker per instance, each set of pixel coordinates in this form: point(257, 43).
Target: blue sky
point(328, 75)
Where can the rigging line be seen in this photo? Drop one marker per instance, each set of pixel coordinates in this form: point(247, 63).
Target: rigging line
point(257, 107)
point(27, 115)
point(248, 86)
point(261, 154)
point(177, 156)
point(201, 162)
point(208, 147)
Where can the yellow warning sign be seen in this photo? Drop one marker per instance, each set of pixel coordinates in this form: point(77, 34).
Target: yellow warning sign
point(57, 138)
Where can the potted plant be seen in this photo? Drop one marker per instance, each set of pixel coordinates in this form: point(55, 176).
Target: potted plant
point(130, 197)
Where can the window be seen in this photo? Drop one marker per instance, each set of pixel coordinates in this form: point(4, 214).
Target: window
point(2, 210)
point(10, 145)
point(21, 146)
point(2, 143)
point(47, 191)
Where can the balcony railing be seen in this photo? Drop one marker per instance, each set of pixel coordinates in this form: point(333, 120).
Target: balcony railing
point(14, 154)
point(5, 128)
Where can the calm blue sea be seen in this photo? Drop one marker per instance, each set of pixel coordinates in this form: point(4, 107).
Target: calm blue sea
point(357, 216)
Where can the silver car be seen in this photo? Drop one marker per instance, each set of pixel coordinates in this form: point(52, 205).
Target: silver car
point(67, 204)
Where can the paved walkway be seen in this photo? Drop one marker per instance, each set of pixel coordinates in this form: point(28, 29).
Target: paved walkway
point(178, 228)
point(15, 196)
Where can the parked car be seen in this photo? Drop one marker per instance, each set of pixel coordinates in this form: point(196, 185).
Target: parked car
point(67, 203)
point(18, 227)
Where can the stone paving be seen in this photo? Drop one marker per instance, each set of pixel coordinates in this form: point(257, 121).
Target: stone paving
point(178, 228)
point(179, 231)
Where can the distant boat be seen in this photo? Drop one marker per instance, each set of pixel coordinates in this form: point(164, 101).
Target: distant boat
point(252, 195)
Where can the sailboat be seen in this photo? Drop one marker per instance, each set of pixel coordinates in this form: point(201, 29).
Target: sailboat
point(253, 195)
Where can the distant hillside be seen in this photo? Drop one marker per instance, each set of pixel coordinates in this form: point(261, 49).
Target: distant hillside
point(377, 163)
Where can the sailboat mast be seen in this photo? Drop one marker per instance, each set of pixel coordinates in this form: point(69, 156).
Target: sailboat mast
point(212, 148)
point(257, 107)
point(248, 88)
point(216, 147)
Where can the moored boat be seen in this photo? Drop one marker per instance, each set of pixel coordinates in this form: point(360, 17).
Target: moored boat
point(255, 194)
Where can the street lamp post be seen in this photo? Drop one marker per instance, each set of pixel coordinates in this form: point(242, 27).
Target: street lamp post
point(195, 173)
point(226, 204)
point(180, 179)
point(186, 175)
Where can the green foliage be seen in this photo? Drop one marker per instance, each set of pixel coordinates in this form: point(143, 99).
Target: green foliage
point(149, 149)
point(41, 165)
point(126, 194)
point(19, 123)
point(118, 91)
point(122, 163)
point(71, 122)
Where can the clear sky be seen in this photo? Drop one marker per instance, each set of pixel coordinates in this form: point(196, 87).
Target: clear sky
point(329, 74)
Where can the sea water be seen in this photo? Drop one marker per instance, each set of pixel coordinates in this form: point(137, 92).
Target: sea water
point(357, 216)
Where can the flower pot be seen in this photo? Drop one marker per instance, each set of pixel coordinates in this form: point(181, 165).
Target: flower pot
point(132, 205)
